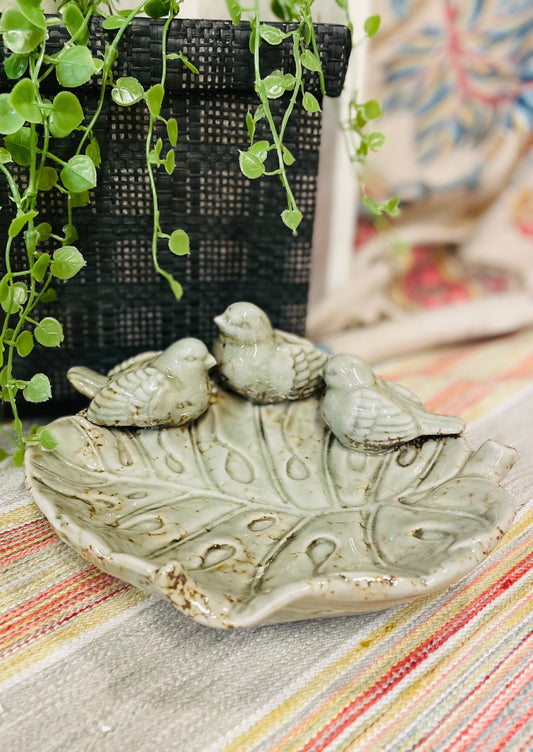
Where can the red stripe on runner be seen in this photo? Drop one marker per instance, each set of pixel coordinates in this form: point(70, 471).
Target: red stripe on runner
point(14, 538)
point(21, 553)
point(485, 717)
point(401, 669)
point(59, 610)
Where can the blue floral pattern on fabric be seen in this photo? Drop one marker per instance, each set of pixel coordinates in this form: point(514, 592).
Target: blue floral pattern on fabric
point(465, 74)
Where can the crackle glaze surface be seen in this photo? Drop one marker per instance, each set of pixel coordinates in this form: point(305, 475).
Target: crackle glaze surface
point(257, 514)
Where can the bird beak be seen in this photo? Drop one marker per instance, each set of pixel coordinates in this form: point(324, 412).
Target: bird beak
point(221, 322)
point(209, 361)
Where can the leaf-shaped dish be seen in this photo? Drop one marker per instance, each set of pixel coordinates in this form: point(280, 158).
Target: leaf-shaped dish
point(255, 515)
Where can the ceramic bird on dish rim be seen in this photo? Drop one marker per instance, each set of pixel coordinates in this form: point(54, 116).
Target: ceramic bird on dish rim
point(154, 389)
point(369, 414)
point(264, 364)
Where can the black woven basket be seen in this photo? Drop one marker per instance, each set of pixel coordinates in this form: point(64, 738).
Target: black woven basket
point(240, 250)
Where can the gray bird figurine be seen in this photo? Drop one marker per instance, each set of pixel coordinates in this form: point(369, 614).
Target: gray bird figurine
point(263, 364)
point(369, 414)
point(155, 389)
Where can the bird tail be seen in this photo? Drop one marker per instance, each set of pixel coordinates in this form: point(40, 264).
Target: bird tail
point(444, 425)
point(86, 381)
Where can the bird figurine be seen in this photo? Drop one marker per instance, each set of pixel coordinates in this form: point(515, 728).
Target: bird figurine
point(155, 389)
point(369, 414)
point(263, 364)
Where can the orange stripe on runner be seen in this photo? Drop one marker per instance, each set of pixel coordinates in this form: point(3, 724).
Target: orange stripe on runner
point(486, 716)
point(28, 616)
point(399, 670)
point(18, 536)
point(52, 538)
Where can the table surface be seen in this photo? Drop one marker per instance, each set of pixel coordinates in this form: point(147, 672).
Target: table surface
point(88, 662)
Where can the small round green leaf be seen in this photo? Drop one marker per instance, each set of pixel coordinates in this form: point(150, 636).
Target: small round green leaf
point(66, 114)
point(19, 33)
point(73, 20)
point(18, 457)
point(4, 288)
point(21, 145)
point(157, 8)
point(172, 131)
point(80, 199)
point(38, 389)
point(271, 34)
point(46, 438)
point(48, 178)
point(310, 102)
point(274, 85)
point(176, 288)
point(260, 149)
point(11, 120)
point(372, 25)
point(154, 99)
point(375, 140)
point(24, 344)
point(10, 306)
point(44, 230)
point(49, 332)
point(288, 158)
point(15, 65)
point(24, 100)
point(93, 152)
point(291, 218)
point(251, 166)
point(48, 296)
point(310, 61)
point(170, 162)
point(41, 267)
point(250, 125)
point(75, 67)
point(127, 91)
point(187, 63)
point(19, 222)
point(67, 262)
point(79, 174)
point(70, 234)
point(113, 22)
point(32, 12)
point(5, 156)
point(234, 10)
point(179, 243)
point(372, 110)
point(20, 292)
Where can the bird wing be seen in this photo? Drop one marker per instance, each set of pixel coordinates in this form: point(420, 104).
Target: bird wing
point(127, 398)
point(307, 361)
point(136, 361)
point(376, 419)
point(403, 392)
point(429, 423)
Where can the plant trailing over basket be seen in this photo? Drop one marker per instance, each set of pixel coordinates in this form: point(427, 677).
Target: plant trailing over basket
point(36, 126)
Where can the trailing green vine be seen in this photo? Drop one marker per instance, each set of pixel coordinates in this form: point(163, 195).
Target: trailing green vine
point(359, 140)
point(31, 125)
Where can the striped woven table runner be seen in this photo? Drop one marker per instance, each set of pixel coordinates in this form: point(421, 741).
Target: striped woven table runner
point(104, 666)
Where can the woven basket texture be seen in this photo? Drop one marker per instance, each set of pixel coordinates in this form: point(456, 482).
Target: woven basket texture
point(240, 250)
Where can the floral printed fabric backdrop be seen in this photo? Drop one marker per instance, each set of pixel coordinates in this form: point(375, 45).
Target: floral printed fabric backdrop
point(455, 80)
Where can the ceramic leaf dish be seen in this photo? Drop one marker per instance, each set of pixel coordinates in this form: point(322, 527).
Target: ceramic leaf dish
point(256, 514)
